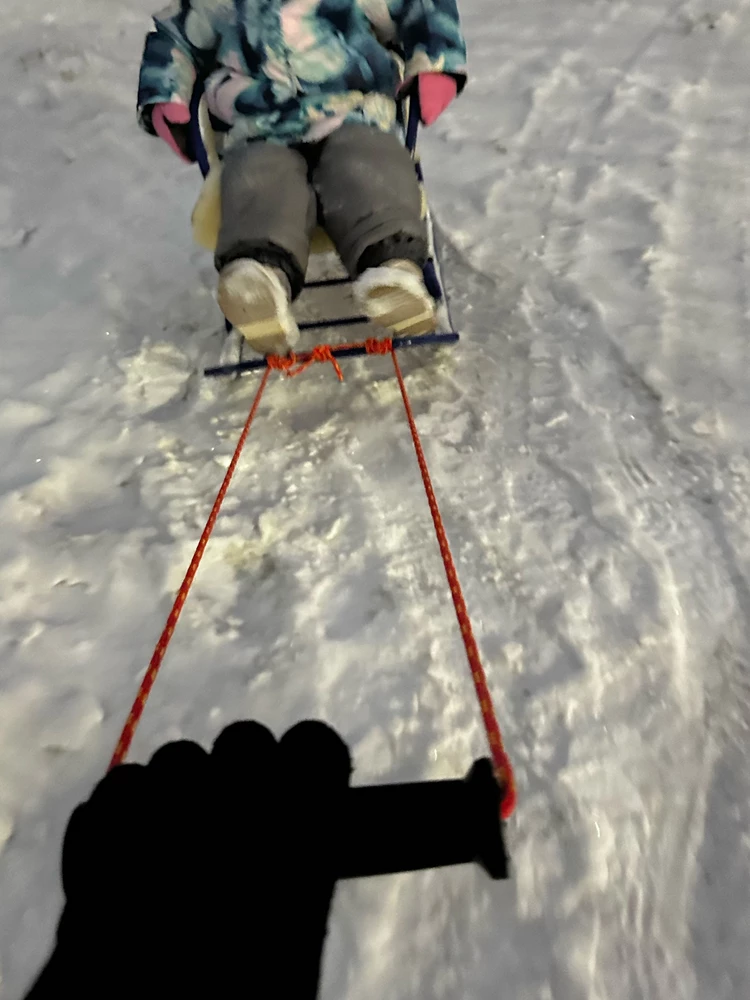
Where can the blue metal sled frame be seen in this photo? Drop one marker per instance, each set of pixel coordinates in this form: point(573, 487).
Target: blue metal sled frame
point(430, 270)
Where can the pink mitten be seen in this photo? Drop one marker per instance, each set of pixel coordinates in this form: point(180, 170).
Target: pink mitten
point(436, 91)
point(175, 114)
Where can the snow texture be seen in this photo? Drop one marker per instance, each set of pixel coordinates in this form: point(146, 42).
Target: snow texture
point(588, 440)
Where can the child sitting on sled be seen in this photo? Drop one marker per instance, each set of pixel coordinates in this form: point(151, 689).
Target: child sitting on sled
point(302, 99)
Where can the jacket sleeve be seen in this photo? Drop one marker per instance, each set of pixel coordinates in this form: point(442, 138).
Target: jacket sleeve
point(430, 33)
point(179, 47)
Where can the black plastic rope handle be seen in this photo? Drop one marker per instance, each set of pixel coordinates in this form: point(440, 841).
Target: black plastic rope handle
point(432, 824)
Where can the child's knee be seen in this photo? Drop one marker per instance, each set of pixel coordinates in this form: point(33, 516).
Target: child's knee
point(265, 167)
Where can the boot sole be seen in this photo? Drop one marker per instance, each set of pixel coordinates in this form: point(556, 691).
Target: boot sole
point(258, 321)
point(405, 314)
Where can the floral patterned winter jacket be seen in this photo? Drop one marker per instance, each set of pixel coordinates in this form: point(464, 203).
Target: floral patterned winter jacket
point(291, 71)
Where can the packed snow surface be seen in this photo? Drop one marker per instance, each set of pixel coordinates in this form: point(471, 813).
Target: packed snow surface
point(588, 440)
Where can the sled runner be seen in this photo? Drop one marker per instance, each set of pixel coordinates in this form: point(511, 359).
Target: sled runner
point(206, 221)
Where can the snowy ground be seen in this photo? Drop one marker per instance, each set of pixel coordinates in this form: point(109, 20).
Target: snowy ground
point(588, 440)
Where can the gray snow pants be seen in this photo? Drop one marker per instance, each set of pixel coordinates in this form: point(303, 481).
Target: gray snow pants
point(358, 182)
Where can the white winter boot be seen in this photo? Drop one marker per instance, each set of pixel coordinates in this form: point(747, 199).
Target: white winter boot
point(394, 296)
point(255, 298)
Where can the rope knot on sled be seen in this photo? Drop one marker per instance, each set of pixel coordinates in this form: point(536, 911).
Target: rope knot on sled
point(292, 364)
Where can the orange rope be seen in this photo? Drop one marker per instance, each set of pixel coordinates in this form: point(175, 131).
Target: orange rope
point(281, 362)
point(375, 346)
point(501, 761)
point(319, 354)
point(293, 366)
point(126, 737)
